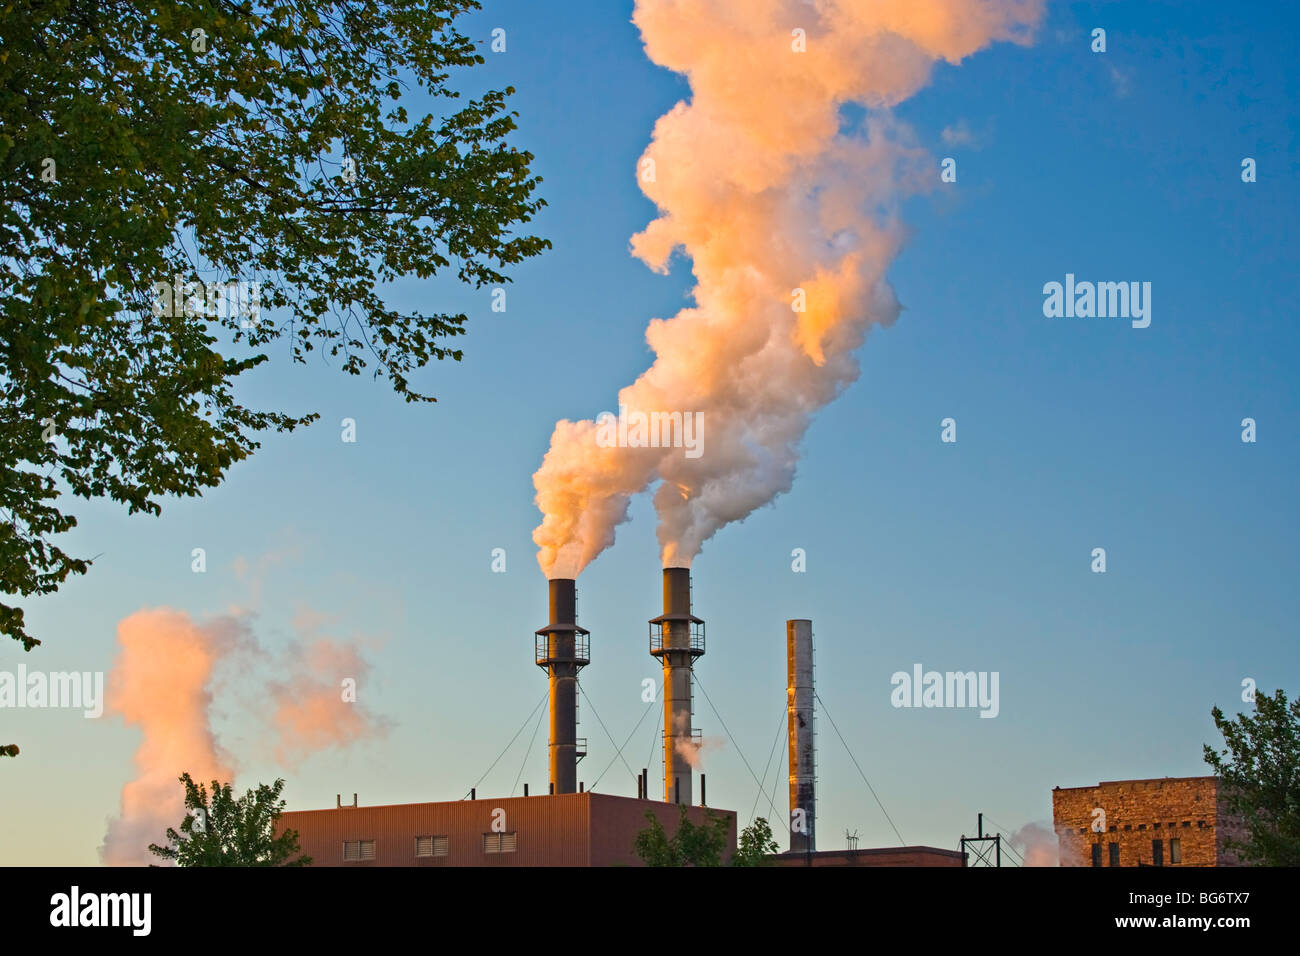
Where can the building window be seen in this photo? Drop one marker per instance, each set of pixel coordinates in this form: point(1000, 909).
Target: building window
point(1157, 853)
point(499, 842)
point(358, 850)
point(1114, 854)
point(1096, 854)
point(1175, 851)
point(431, 846)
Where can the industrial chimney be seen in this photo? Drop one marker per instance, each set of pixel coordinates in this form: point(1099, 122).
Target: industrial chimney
point(677, 638)
point(563, 649)
point(799, 697)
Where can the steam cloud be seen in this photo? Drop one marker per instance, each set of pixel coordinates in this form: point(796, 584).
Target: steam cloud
point(160, 683)
point(309, 712)
point(758, 185)
point(690, 749)
point(163, 681)
point(1037, 844)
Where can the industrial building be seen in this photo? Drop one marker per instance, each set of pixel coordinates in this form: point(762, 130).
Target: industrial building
point(569, 827)
point(1162, 821)
point(873, 856)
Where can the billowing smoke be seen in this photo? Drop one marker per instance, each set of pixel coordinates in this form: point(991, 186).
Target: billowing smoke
point(1037, 844)
point(161, 683)
point(164, 681)
point(315, 706)
point(788, 217)
point(692, 749)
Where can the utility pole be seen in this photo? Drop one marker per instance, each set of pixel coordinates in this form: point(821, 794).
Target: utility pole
point(981, 847)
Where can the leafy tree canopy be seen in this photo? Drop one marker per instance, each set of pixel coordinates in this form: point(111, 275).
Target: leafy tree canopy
point(225, 830)
point(702, 845)
point(148, 145)
point(1260, 773)
point(755, 846)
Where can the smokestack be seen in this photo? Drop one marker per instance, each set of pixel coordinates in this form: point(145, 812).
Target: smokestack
point(677, 637)
point(799, 695)
point(563, 649)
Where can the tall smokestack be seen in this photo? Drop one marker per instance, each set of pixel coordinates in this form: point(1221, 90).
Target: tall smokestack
point(563, 649)
point(799, 696)
point(677, 638)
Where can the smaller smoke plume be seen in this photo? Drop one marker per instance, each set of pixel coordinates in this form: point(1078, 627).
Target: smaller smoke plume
point(690, 747)
point(164, 681)
point(1037, 843)
point(316, 706)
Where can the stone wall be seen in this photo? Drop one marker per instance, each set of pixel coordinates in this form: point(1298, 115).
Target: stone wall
point(1138, 813)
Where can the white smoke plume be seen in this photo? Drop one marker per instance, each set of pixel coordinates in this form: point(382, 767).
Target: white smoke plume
point(789, 223)
point(161, 683)
point(1038, 845)
point(693, 748)
point(165, 681)
point(315, 700)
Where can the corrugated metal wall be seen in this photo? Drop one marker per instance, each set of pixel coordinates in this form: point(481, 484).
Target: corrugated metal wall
point(615, 822)
point(550, 831)
point(574, 829)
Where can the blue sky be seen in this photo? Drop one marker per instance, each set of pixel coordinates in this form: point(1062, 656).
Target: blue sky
point(1072, 434)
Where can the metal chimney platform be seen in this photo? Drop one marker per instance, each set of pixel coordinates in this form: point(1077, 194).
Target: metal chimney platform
point(677, 638)
point(562, 649)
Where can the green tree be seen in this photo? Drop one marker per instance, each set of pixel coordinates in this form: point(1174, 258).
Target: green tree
point(226, 830)
point(755, 846)
point(702, 845)
point(1260, 773)
point(654, 847)
point(690, 845)
point(153, 144)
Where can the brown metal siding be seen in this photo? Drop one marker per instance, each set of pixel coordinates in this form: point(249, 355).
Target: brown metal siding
point(575, 829)
point(615, 822)
point(551, 831)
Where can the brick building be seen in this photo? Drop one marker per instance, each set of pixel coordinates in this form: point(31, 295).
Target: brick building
point(1163, 821)
point(571, 829)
